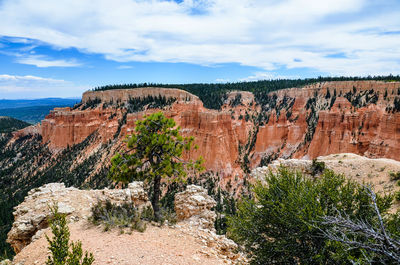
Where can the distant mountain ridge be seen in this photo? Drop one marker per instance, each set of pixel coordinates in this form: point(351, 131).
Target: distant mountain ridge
point(20, 103)
point(33, 110)
point(8, 124)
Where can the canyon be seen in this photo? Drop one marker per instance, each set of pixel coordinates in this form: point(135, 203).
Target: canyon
point(249, 130)
point(306, 122)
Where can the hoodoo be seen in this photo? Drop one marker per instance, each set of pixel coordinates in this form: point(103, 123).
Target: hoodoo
point(318, 119)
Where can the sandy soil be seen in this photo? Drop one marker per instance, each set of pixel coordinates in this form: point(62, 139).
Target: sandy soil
point(155, 246)
point(366, 171)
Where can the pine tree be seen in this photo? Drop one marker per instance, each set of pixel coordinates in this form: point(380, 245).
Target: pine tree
point(154, 152)
point(59, 244)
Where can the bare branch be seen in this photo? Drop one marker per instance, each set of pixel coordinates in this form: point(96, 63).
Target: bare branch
point(344, 230)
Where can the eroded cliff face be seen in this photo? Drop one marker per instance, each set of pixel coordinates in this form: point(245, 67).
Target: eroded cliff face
point(369, 131)
point(319, 119)
point(123, 95)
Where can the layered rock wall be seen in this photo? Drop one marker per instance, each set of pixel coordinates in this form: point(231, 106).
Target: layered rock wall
point(122, 95)
point(370, 129)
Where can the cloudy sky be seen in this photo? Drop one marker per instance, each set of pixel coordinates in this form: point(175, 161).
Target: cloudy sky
point(60, 48)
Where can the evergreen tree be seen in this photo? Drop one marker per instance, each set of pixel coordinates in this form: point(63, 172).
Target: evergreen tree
point(154, 152)
point(283, 223)
point(59, 244)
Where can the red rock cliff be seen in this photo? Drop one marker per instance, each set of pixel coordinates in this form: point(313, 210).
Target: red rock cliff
point(329, 124)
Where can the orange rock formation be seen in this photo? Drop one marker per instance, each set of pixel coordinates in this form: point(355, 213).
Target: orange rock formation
point(368, 130)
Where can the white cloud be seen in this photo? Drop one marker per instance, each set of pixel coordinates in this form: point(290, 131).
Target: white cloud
point(267, 76)
point(4, 78)
point(124, 67)
point(42, 61)
point(222, 80)
point(267, 34)
point(13, 86)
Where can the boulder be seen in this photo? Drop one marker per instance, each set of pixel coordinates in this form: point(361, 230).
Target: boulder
point(31, 215)
point(194, 206)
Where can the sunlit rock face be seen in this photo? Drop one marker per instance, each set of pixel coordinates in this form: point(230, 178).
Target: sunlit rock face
point(319, 119)
point(31, 216)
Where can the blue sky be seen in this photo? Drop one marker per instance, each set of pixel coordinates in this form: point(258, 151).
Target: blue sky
point(61, 48)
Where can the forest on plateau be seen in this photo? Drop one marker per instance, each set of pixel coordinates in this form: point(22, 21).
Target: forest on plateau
point(214, 95)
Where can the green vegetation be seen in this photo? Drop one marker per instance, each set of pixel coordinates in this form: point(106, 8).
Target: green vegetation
point(312, 118)
point(27, 163)
point(214, 95)
point(60, 246)
point(19, 164)
point(122, 216)
point(90, 104)
point(236, 101)
point(396, 107)
point(226, 201)
point(154, 152)
point(394, 175)
point(317, 167)
point(138, 104)
point(363, 98)
point(8, 124)
point(286, 222)
point(397, 196)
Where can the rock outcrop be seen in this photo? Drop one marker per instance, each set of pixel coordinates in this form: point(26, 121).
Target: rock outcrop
point(31, 216)
point(193, 209)
point(123, 95)
point(194, 206)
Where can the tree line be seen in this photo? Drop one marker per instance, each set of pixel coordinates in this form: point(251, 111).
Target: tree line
point(213, 95)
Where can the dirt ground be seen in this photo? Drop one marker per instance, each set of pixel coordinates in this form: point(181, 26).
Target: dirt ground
point(365, 170)
point(156, 245)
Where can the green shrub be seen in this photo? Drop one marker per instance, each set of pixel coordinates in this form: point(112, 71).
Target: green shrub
point(60, 246)
point(317, 167)
point(122, 216)
point(168, 215)
point(394, 175)
point(281, 224)
point(397, 196)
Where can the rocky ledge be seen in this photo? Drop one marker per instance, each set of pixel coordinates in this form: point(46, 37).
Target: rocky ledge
point(193, 209)
point(30, 217)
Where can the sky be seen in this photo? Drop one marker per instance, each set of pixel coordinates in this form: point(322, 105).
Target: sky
point(61, 48)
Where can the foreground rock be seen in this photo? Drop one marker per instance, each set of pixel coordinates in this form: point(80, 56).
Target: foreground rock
point(193, 208)
point(31, 215)
point(192, 241)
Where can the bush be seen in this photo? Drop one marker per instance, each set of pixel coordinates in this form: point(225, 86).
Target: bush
point(168, 215)
point(394, 175)
point(378, 241)
point(281, 224)
point(121, 216)
point(397, 196)
point(317, 167)
point(59, 244)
